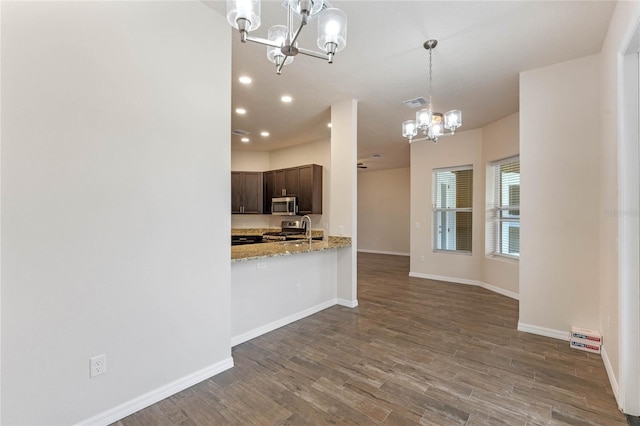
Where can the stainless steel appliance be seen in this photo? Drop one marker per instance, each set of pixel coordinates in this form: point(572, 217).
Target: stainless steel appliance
point(291, 230)
point(284, 206)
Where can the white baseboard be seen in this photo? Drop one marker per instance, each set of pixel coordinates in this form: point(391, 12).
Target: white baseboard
point(394, 253)
point(251, 334)
point(123, 410)
point(611, 375)
point(543, 331)
point(347, 303)
point(501, 291)
point(489, 287)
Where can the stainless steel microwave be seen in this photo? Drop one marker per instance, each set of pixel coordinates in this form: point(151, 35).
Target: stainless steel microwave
point(284, 206)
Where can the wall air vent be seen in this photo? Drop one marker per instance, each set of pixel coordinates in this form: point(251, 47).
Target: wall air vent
point(239, 132)
point(415, 103)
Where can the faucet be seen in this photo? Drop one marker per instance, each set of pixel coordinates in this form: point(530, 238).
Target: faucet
point(308, 229)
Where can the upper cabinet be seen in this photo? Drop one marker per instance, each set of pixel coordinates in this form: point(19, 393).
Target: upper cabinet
point(310, 189)
point(281, 183)
point(304, 182)
point(247, 196)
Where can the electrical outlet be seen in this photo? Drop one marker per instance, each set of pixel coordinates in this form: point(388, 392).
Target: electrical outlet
point(421, 259)
point(98, 365)
point(299, 288)
point(340, 230)
point(262, 265)
point(417, 225)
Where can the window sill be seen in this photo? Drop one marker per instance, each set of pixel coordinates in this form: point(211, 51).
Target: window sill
point(504, 258)
point(458, 252)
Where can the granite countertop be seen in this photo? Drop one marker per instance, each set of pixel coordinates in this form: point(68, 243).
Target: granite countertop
point(252, 231)
point(263, 250)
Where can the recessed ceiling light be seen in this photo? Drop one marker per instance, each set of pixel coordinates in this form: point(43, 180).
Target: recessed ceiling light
point(264, 134)
point(245, 140)
point(241, 111)
point(329, 125)
point(245, 79)
point(286, 98)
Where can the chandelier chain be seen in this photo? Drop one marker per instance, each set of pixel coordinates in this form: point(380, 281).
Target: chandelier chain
point(430, 76)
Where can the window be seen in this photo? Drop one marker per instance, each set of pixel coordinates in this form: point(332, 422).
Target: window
point(452, 213)
point(506, 207)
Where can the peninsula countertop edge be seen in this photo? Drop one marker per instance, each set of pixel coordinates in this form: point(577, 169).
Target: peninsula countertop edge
point(247, 252)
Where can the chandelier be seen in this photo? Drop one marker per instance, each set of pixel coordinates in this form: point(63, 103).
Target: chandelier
point(431, 123)
point(281, 41)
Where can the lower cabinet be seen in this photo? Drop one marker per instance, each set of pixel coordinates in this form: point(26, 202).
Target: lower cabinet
point(247, 193)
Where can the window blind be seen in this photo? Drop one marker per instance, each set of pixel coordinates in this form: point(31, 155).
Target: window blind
point(452, 209)
point(507, 207)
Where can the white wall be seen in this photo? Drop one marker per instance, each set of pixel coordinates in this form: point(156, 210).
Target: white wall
point(115, 212)
point(560, 175)
point(623, 24)
point(500, 140)
point(250, 161)
point(318, 152)
point(383, 211)
point(465, 148)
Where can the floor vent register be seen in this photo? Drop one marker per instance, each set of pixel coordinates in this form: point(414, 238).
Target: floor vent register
point(586, 340)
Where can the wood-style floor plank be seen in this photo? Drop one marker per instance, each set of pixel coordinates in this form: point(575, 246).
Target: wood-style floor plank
point(414, 352)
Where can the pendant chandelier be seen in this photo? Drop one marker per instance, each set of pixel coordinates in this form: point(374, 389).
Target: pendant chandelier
point(432, 124)
point(281, 41)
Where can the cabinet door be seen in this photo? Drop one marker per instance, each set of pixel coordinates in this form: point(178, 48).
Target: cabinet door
point(269, 190)
point(310, 189)
point(291, 181)
point(280, 184)
point(236, 192)
point(252, 193)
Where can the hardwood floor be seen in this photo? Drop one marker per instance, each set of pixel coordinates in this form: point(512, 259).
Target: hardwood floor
point(414, 352)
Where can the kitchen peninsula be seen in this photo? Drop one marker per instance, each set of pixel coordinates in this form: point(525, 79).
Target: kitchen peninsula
point(274, 284)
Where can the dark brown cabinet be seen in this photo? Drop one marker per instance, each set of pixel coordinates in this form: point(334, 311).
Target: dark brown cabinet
point(304, 182)
point(280, 188)
point(281, 183)
point(291, 182)
point(247, 193)
point(310, 189)
point(269, 190)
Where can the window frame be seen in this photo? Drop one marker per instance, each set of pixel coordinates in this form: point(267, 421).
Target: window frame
point(436, 210)
point(497, 208)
